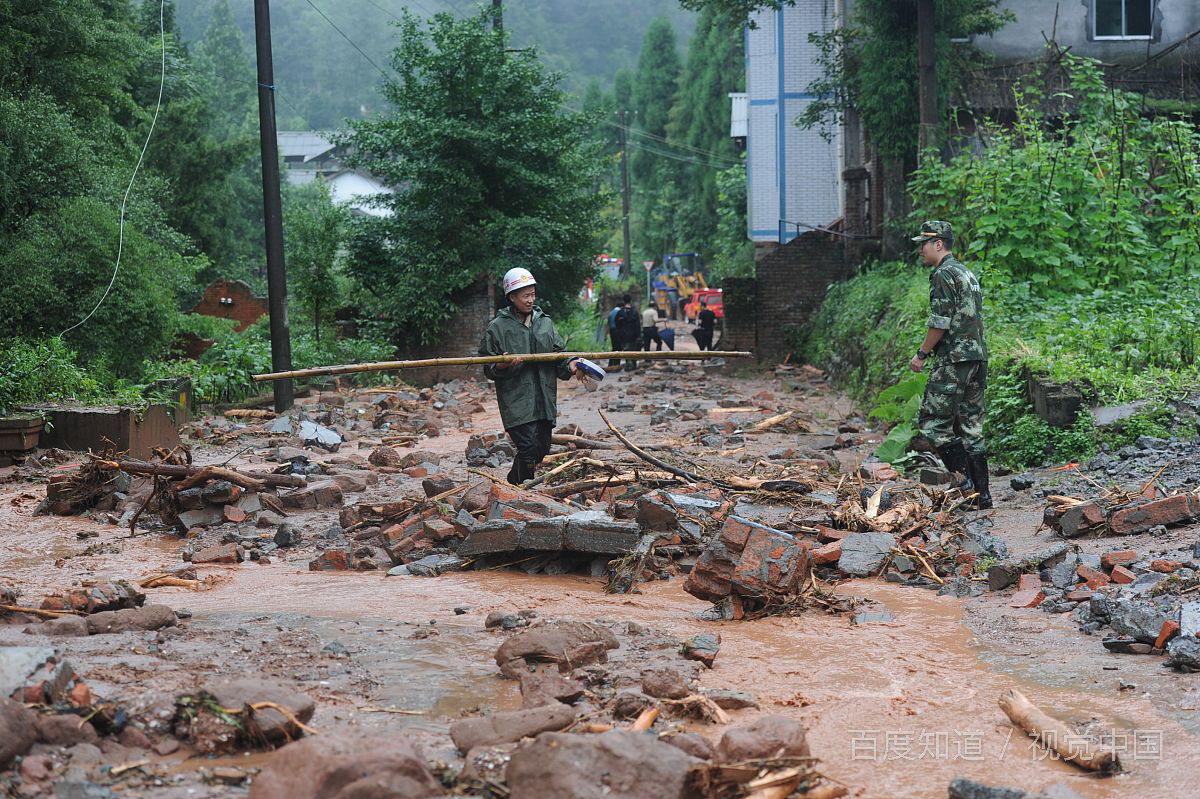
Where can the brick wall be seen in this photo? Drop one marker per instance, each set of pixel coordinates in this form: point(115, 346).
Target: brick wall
point(459, 336)
point(232, 299)
point(763, 313)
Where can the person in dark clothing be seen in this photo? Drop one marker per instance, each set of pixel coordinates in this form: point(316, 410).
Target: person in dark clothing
point(706, 322)
point(629, 328)
point(527, 393)
point(613, 335)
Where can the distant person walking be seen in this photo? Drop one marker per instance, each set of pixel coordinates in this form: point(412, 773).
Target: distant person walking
point(629, 329)
point(650, 328)
point(613, 334)
point(706, 323)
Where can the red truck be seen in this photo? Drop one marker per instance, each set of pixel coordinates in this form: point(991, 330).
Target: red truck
point(715, 304)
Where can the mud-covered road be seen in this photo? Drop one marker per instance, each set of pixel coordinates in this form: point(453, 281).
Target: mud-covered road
point(893, 708)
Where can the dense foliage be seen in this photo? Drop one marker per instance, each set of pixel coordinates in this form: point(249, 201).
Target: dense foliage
point(492, 173)
point(1079, 220)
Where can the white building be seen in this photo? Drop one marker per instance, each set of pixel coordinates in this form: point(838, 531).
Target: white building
point(309, 153)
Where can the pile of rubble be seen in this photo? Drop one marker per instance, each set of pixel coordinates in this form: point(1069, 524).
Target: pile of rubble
point(97, 608)
point(398, 414)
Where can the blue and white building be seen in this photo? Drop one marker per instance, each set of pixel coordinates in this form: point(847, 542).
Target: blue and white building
point(793, 175)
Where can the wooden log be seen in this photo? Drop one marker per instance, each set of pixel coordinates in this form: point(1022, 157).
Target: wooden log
point(630, 571)
point(1057, 736)
point(172, 470)
point(648, 458)
point(541, 357)
point(644, 478)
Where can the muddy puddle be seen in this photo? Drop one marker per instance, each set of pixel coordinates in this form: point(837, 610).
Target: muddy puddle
point(899, 708)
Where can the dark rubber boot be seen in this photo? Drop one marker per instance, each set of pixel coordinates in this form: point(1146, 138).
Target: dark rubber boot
point(977, 462)
point(954, 456)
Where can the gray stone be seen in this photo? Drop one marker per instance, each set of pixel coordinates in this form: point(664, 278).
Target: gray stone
point(74, 789)
point(1144, 584)
point(934, 476)
point(1138, 620)
point(592, 531)
point(655, 514)
point(633, 765)
point(272, 725)
point(147, 617)
point(1183, 653)
point(1151, 442)
point(969, 789)
point(317, 435)
point(961, 587)
point(218, 492)
point(864, 554)
point(1189, 619)
point(398, 571)
point(1022, 482)
point(280, 424)
point(22, 666)
point(731, 700)
point(867, 617)
point(1065, 574)
point(209, 516)
point(435, 565)
point(286, 536)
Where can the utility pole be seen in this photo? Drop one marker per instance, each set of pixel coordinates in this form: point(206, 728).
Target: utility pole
point(627, 267)
point(281, 343)
point(927, 71)
point(497, 16)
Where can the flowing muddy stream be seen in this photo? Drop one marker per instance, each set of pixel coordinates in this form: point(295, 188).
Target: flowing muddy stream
point(899, 708)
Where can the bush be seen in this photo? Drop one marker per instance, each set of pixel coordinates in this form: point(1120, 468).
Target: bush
point(41, 371)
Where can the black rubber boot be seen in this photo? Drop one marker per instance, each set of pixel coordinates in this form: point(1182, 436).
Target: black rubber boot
point(954, 456)
point(977, 463)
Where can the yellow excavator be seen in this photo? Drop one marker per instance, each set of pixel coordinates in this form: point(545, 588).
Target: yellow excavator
point(679, 277)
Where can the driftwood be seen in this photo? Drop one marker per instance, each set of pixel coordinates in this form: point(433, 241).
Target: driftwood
point(562, 467)
point(1057, 736)
point(46, 614)
point(629, 569)
point(642, 478)
point(646, 720)
point(648, 458)
point(252, 480)
point(541, 357)
point(580, 442)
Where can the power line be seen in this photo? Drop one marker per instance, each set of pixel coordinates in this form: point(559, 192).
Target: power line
point(682, 158)
point(654, 136)
point(162, 79)
point(348, 39)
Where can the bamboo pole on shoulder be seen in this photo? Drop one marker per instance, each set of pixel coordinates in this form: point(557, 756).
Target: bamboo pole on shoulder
point(479, 360)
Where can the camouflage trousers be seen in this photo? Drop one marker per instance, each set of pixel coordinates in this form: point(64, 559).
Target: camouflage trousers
point(953, 404)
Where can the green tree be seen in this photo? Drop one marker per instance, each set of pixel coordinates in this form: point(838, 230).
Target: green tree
point(491, 172)
point(314, 231)
point(652, 174)
point(733, 252)
point(700, 123)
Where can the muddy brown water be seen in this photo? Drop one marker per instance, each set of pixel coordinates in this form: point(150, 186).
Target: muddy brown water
point(894, 710)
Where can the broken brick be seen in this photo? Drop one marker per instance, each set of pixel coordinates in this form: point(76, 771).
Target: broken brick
point(1169, 630)
point(1080, 595)
point(1169, 510)
point(1122, 576)
point(878, 471)
point(1118, 557)
point(331, 560)
point(1165, 566)
point(771, 563)
point(234, 514)
point(1093, 577)
point(221, 553)
point(830, 553)
point(438, 529)
point(1029, 582)
point(826, 534)
point(1027, 599)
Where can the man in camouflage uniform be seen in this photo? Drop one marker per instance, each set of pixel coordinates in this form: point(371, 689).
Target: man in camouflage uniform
point(952, 410)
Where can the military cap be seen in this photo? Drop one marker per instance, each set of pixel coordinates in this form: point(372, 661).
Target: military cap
point(935, 229)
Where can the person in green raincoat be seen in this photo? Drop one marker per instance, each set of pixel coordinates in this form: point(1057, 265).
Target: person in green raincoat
point(527, 393)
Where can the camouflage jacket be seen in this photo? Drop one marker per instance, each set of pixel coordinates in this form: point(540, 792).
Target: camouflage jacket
point(956, 306)
point(528, 392)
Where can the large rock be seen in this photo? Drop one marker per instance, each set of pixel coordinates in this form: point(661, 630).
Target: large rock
point(338, 765)
point(1139, 620)
point(1184, 653)
point(750, 560)
point(969, 789)
point(34, 674)
point(864, 554)
point(510, 726)
point(18, 730)
point(271, 724)
point(615, 765)
point(150, 617)
point(65, 729)
point(567, 643)
point(767, 737)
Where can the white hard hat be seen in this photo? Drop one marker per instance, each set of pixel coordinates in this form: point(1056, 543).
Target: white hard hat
point(517, 278)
